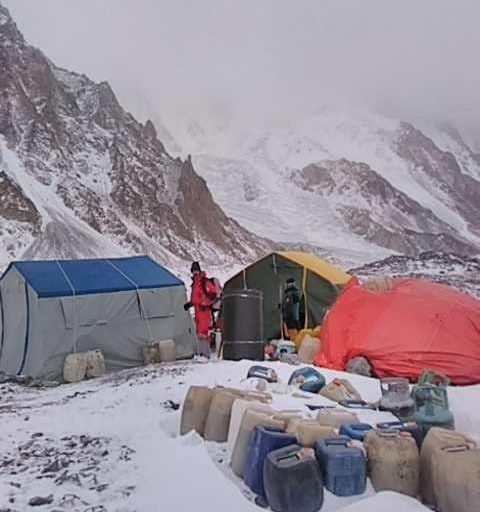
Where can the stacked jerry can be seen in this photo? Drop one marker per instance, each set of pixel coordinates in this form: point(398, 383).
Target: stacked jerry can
point(308, 379)
point(308, 432)
point(263, 441)
point(251, 419)
point(396, 398)
point(393, 461)
point(344, 466)
point(286, 457)
point(293, 480)
point(431, 407)
point(356, 431)
point(450, 471)
point(218, 419)
point(195, 409)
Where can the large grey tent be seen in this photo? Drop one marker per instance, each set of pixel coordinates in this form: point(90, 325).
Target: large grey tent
point(49, 309)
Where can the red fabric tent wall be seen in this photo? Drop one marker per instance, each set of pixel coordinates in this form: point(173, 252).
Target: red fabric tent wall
point(415, 326)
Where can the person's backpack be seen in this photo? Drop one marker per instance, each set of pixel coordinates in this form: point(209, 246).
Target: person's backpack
point(213, 290)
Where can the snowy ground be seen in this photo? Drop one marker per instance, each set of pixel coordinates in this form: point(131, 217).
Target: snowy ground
point(111, 445)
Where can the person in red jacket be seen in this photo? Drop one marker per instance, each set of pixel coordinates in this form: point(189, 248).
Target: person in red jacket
point(201, 303)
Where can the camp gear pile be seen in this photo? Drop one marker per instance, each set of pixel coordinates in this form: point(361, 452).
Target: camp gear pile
point(288, 458)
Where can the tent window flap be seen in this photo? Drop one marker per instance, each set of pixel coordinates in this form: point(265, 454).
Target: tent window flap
point(156, 304)
point(82, 312)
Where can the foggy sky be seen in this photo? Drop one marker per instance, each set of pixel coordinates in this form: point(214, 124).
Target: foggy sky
point(409, 59)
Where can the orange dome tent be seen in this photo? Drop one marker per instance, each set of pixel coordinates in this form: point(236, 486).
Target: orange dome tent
point(414, 326)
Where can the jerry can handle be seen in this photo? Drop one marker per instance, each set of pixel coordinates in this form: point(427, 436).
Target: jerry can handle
point(388, 432)
point(390, 425)
point(314, 407)
point(353, 404)
point(459, 447)
point(337, 441)
point(360, 426)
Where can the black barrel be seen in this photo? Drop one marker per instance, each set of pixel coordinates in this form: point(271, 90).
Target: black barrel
point(243, 325)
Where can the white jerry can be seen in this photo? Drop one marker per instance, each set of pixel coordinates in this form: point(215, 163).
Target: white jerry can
point(75, 367)
point(437, 440)
point(167, 351)
point(95, 364)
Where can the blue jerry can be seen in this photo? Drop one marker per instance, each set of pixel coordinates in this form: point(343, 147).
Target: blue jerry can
point(308, 378)
point(293, 482)
point(263, 441)
point(356, 431)
point(344, 467)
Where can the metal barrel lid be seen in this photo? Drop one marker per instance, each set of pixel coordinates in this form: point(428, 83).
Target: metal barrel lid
point(243, 293)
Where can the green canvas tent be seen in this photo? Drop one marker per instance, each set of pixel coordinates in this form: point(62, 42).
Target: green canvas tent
point(318, 280)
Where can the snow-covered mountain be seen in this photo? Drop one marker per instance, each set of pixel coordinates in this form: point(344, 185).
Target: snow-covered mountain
point(79, 176)
point(350, 181)
point(463, 272)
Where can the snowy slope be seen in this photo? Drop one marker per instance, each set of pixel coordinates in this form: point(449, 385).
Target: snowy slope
point(116, 442)
point(80, 176)
point(249, 164)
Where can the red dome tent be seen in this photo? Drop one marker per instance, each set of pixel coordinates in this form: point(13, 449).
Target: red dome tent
point(414, 326)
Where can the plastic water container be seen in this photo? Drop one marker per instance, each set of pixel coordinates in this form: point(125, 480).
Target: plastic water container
point(75, 367)
point(293, 482)
point(95, 364)
point(344, 466)
point(308, 432)
point(239, 408)
point(151, 353)
point(308, 379)
point(456, 479)
point(218, 419)
point(437, 439)
point(393, 461)
point(262, 372)
point(167, 351)
point(356, 431)
point(195, 409)
point(336, 417)
point(309, 349)
point(340, 389)
point(434, 378)
point(396, 398)
point(410, 427)
point(263, 441)
point(431, 407)
point(249, 421)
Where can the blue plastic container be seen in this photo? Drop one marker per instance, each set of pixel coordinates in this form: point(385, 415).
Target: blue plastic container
point(356, 431)
point(292, 483)
point(310, 380)
point(417, 432)
point(263, 441)
point(344, 467)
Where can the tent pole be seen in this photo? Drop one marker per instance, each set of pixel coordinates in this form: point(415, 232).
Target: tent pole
point(73, 306)
point(305, 299)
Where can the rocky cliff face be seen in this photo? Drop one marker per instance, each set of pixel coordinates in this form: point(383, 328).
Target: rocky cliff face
point(440, 172)
point(370, 207)
point(72, 157)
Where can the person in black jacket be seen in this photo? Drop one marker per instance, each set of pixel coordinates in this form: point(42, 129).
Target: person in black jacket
point(291, 309)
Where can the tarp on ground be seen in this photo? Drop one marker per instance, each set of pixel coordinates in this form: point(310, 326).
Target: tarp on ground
point(414, 326)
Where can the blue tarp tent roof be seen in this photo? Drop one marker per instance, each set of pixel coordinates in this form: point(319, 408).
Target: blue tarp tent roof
point(56, 278)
